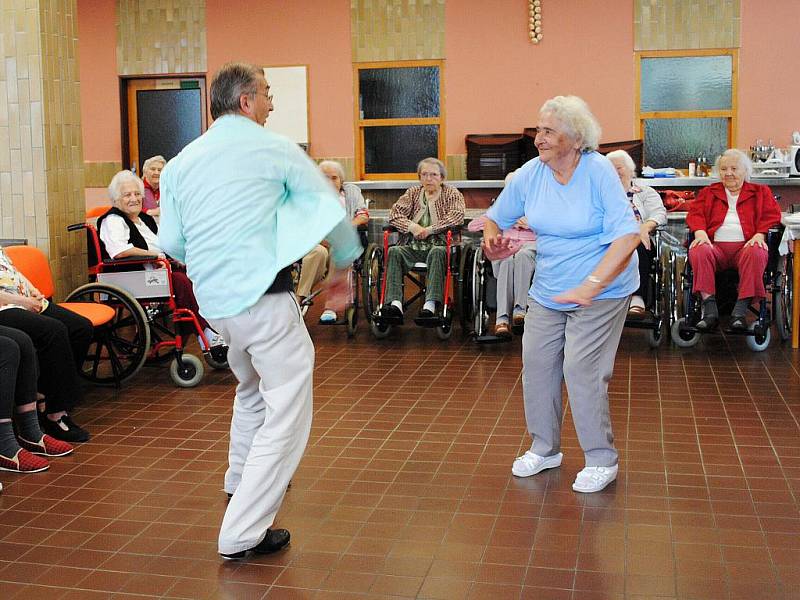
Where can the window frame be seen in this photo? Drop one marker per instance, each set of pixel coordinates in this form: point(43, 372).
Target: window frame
point(730, 114)
point(362, 124)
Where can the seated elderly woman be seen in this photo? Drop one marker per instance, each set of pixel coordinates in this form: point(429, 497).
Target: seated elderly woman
point(513, 273)
point(151, 172)
point(21, 437)
point(730, 221)
point(126, 231)
point(422, 215)
point(316, 264)
point(61, 338)
point(650, 213)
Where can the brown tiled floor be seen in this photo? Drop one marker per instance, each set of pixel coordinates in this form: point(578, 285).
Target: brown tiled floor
point(405, 489)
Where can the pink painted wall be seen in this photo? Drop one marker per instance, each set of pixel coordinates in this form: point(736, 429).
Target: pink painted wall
point(97, 55)
point(769, 89)
point(303, 32)
point(495, 79)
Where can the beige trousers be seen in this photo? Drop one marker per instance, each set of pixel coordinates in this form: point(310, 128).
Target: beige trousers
point(315, 265)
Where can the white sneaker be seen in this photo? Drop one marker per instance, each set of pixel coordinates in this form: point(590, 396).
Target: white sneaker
point(594, 479)
point(328, 316)
point(530, 464)
point(214, 340)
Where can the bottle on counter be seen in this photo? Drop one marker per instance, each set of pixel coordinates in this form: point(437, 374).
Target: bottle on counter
point(692, 168)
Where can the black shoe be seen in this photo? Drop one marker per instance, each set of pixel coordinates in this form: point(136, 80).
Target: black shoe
point(426, 314)
point(739, 323)
point(64, 429)
point(272, 542)
point(391, 315)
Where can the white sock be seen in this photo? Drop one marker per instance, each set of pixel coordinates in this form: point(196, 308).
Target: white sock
point(429, 305)
point(398, 304)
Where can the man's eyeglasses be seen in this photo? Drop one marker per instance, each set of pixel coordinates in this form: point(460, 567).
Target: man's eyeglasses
point(266, 95)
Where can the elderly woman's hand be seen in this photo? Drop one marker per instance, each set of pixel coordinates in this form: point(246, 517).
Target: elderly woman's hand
point(700, 238)
point(522, 223)
point(644, 235)
point(581, 295)
point(35, 305)
point(757, 240)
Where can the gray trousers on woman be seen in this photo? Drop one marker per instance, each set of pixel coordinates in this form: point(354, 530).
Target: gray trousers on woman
point(578, 346)
point(514, 275)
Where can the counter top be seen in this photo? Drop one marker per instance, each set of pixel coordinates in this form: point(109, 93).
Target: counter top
point(497, 184)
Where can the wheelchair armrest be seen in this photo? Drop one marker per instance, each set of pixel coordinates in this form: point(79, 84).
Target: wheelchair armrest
point(76, 226)
point(132, 259)
point(389, 228)
point(363, 227)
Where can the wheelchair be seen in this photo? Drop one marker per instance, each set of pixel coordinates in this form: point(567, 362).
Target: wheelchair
point(145, 322)
point(478, 295)
point(374, 286)
point(660, 290)
point(774, 309)
point(350, 320)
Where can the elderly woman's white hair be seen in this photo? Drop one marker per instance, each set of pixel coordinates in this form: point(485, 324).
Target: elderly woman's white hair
point(576, 116)
point(745, 164)
point(335, 165)
point(625, 158)
point(118, 180)
point(433, 161)
point(152, 160)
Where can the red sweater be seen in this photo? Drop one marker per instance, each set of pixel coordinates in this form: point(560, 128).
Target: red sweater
point(756, 206)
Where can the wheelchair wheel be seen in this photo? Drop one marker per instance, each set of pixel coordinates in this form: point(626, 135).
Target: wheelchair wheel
point(371, 273)
point(759, 341)
point(782, 301)
point(444, 331)
point(655, 336)
point(351, 319)
point(480, 314)
point(217, 357)
point(380, 331)
point(681, 337)
point(186, 372)
point(465, 289)
point(118, 348)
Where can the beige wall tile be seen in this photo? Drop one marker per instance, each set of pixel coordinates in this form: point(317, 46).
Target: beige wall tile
point(161, 36)
point(686, 24)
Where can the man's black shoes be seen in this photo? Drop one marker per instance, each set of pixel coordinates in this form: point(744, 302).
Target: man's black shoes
point(275, 540)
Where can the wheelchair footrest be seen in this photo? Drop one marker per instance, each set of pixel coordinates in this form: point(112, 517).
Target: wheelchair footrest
point(429, 322)
point(492, 339)
point(387, 319)
point(337, 322)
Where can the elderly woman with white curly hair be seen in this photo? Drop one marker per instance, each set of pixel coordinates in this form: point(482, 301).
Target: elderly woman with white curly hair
point(585, 274)
point(126, 231)
point(650, 213)
point(730, 221)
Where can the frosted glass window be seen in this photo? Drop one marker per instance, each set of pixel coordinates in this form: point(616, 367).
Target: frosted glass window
point(398, 149)
point(686, 83)
point(399, 93)
point(672, 142)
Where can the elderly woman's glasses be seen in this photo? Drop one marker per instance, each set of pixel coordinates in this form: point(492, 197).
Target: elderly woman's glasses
point(427, 175)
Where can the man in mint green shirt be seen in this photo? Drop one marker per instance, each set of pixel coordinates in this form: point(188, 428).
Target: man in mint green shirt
point(239, 205)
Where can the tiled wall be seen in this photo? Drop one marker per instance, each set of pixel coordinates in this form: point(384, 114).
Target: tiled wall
point(99, 174)
point(397, 29)
point(63, 142)
point(686, 24)
point(161, 36)
point(41, 162)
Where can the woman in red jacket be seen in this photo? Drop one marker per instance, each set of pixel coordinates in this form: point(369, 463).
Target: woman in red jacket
point(730, 221)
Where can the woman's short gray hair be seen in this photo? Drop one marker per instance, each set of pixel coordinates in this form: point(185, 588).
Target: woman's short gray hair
point(228, 85)
point(625, 158)
point(432, 161)
point(745, 164)
point(151, 161)
point(335, 165)
point(576, 116)
point(117, 181)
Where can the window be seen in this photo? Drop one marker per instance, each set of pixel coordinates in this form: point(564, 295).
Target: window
point(399, 117)
point(686, 105)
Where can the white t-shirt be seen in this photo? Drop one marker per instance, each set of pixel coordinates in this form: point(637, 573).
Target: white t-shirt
point(731, 228)
point(115, 234)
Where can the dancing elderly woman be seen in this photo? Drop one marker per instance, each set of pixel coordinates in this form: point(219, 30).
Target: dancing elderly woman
point(586, 235)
